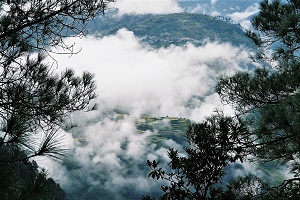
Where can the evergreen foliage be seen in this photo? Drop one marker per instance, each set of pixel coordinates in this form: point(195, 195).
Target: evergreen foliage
point(34, 100)
point(214, 144)
point(24, 180)
point(265, 128)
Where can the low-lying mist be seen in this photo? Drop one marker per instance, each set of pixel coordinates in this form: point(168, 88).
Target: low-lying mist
point(107, 157)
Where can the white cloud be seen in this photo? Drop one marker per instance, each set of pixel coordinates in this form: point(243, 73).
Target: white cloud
point(210, 104)
point(238, 16)
point(213, 2)
point(202, 9)
point(156, 81)
point(146, 6)
point(174, 81)
point(242, 17)
point(215, 13)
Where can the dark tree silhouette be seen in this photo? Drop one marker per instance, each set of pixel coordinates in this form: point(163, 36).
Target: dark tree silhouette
point(34, 100)
point(266, 125)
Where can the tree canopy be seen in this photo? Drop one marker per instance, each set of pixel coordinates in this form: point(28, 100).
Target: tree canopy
point(34, 100)
point(265, 128)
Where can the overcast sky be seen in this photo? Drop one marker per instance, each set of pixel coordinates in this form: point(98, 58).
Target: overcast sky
point(140, 80)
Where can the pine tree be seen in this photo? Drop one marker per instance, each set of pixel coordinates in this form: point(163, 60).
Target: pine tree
point(33, 98)
point(268, 117)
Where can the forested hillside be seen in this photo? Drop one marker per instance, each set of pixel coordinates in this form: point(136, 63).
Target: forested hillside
point(173, 29)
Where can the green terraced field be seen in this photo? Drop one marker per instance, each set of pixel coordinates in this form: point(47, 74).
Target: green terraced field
point(163, 128)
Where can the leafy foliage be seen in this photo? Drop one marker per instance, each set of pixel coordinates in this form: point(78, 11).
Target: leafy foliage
point(25, 25)
point(277, 26)
point(214, 144)
point(267, 104)
point(24, 180)
point(33, 99)
point(272, 94)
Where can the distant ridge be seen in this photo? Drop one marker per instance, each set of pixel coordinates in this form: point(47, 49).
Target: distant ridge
point(178, 29)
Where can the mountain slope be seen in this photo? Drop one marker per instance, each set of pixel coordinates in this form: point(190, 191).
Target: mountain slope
point(178, 28)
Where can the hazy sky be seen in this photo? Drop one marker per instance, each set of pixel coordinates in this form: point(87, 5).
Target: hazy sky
point(136, 78)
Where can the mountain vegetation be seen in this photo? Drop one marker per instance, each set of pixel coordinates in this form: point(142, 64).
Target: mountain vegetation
point(34, 100)
point(265, 128)
point(173, 29)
